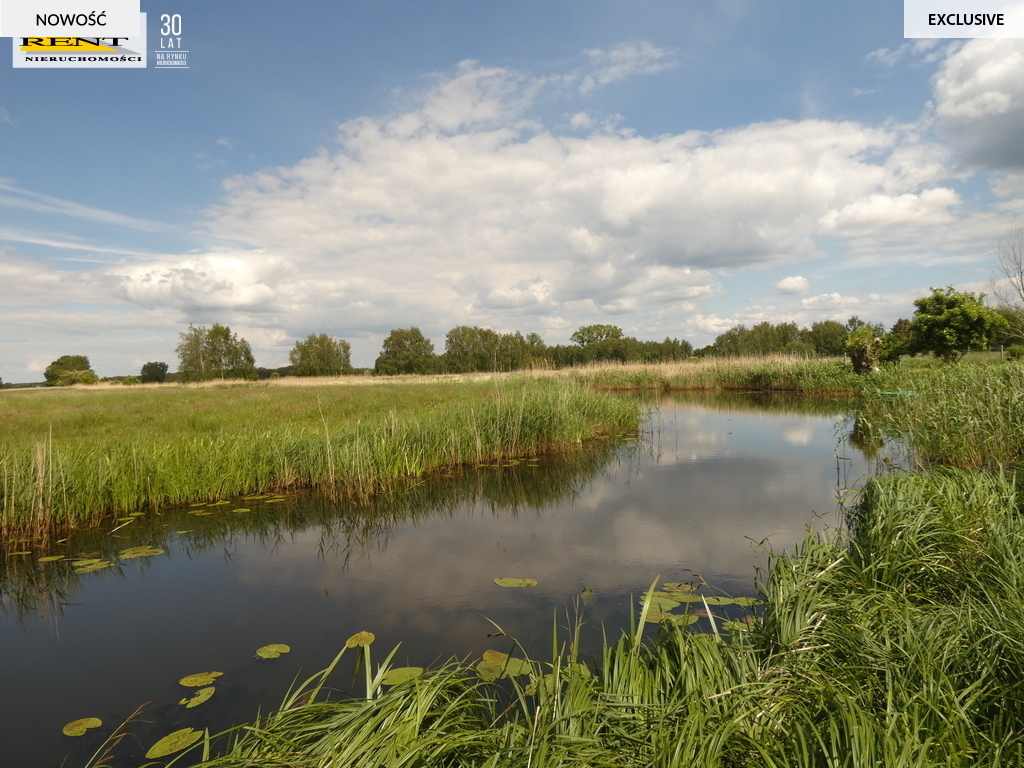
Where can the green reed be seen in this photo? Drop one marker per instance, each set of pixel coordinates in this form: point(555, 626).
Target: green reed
point(67, 480)
point(777, 373)
point(966, 415)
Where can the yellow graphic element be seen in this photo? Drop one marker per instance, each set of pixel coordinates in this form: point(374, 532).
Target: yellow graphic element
point(64, 45)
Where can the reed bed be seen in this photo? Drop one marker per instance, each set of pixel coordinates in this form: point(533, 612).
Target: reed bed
point(969, 415)
point(899, 644)
point(777, 373)
point(74, 479)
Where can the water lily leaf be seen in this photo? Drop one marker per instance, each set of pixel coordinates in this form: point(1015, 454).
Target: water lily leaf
point(51, 559)
point(79, 727)
point(661, 601)
point(495, 657)
point(656, 614)
point(174, 742)
point(683, 620)
point(88, 561)
point(506, 666)
point(736, 626)
point(201, 514)
point(401, 674)
point(199, 697)
point(272, 501)
point(241, 509)
point(488, 671)
point(517, 667)
point(747, 601)
point(187, 530)
point(93, 566)
point(360, 639)
point(272, 651)
point(198, 504)
point(219, 503)
point(198, 679)
point(133, 552)
point(677, 586)
point(509, 582)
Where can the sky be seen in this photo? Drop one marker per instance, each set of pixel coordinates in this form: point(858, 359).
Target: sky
point(672, 167)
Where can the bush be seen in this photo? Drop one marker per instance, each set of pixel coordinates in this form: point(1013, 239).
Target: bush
point(1015, 352)
point(129, 380)
point(67, 378)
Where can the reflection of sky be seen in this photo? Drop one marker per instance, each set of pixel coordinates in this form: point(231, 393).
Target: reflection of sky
point(709, 487)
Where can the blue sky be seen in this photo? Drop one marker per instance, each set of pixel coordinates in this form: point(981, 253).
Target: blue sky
point(674, 168)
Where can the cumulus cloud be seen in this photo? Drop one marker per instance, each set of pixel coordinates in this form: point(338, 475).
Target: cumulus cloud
point(979, 101)
point(796, 284)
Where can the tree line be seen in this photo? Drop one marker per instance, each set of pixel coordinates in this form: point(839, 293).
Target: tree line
point(947, 324)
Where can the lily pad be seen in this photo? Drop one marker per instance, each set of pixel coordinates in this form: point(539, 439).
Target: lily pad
point(174, 742)
point(509, 582)
point(362, 639)
point(79, 727)
point(51, 559)
point(92, 566)
point(506, 666)
point(677, 586)
point(660, 601)
point(198, 679)
point(488, 671)
point(272, 651)
point(400, 675)
point(241, 509)
point(133, 552)
point(199, 697)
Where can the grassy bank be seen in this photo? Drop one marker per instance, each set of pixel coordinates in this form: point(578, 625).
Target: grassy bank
point(76, 459)
point(899, 646)
point(762, 374)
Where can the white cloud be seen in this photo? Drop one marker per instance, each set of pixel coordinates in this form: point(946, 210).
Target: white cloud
point(625, 60)
point(12, 196)
point(796, 284)
point(979, 101)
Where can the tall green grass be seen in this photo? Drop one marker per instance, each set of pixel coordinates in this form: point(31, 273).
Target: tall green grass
point(58, 483)
point(763, 374)
point(965, 415)
point(900, 644)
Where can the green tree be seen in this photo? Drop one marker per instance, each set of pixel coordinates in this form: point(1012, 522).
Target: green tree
point(69, 369)
point(591, 334)
point(153, 372)
point(214, 353)
point(469, 348)
point(406, 350)
point(828, 337)
point(949, 322)
point(321, 355)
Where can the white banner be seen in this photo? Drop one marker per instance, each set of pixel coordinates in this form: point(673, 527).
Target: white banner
point(69, 18)
point(963, 18)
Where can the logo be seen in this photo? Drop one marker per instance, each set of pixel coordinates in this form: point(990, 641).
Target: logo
point(81, 52)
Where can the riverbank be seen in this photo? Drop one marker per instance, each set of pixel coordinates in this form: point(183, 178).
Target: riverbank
point(80, 458)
